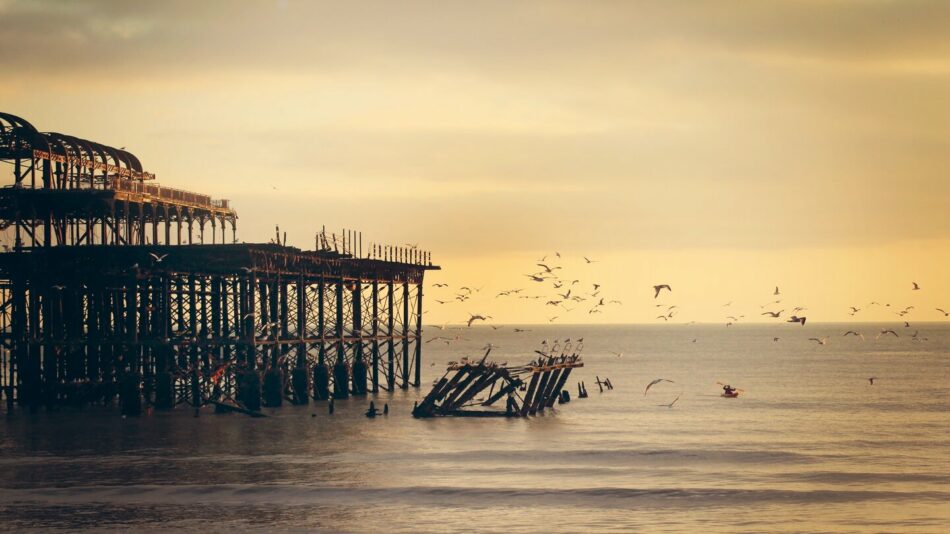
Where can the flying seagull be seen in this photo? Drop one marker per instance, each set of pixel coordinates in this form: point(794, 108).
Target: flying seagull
point(659, 288)
point(916, 287)
point(157, 258)
point(821, 341)
point(885, 332)
point(476, 317)
point(855, 334)
point(871, 380)
point(945, 314)
point(670, 405)
point(797, 319)
point(773, 314)
point(776, 291)
point(655, 382)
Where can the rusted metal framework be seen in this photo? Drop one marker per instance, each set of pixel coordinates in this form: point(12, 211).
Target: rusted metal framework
point(97, 300)
point(70, 191)
point(472, 388)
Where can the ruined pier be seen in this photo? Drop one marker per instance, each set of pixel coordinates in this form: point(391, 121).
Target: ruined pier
point(114, 287)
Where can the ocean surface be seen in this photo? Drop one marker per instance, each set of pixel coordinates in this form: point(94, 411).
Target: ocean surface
point(809, 446)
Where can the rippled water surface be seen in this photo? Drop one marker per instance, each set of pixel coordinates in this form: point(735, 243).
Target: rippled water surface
point(810, 446)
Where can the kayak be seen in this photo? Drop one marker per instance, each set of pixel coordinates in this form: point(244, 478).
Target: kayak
point(732, 395)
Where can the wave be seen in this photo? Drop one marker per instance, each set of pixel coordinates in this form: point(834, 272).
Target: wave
point(602, 497)
point(608, 457)
point(621, 457)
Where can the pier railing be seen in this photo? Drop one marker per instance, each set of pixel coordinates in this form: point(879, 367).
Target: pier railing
point(350, 243)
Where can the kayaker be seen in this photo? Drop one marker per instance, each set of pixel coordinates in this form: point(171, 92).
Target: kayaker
point(728, 390)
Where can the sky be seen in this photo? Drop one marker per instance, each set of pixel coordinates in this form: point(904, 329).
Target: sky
point(723, 148)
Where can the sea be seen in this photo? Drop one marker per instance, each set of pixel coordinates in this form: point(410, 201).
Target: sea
point(808, 446)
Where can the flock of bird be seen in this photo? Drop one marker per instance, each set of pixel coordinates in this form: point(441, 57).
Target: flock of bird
point(854, 310)
point(550, 284)
point(565, 294)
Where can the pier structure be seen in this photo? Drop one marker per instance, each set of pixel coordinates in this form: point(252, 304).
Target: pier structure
point(113, 286)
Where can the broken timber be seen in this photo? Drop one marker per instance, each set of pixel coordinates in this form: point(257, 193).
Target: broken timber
point(471, 389)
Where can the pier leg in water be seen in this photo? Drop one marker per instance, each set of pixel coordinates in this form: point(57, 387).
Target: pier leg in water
point(249, 390)
point(131, 395)
point(164, 382)
point(164, 391)
point(330, 406)
point(360, 373)
point(341, 378)
point(321, 382)
point(272, 387)
point(299, 379)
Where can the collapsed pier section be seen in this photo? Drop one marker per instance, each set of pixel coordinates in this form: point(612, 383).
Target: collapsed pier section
point(472, 388)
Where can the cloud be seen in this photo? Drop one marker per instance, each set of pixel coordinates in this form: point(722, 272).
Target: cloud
point(726, 124)
point(529, 39)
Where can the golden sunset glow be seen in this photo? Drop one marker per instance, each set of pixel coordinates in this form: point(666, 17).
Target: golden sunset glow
point(721, 147)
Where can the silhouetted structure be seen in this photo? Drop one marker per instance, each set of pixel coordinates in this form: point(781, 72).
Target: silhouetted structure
point(470, 388)
point(101, 294)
